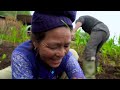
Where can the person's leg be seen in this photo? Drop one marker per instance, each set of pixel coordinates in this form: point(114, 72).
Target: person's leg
point(89, 64)
point(105, 38)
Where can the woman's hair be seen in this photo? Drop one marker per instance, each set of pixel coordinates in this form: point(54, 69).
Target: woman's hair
point(37, 36)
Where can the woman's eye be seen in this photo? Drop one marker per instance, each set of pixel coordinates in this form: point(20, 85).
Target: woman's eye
point(53, 47)
point(67, 45)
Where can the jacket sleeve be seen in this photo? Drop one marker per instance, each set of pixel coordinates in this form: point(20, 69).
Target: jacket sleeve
point(80, 19)
point(73, 69)
point(21, 67)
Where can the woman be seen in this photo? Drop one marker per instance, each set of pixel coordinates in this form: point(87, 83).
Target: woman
point(47, 55)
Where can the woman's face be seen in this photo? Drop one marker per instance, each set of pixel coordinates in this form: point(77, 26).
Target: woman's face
point(54, 46)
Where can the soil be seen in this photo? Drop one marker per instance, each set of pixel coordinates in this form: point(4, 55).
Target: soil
point(6, 48)
point(110, 72)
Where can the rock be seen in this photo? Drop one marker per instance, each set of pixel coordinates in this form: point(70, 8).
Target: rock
point(6, 73)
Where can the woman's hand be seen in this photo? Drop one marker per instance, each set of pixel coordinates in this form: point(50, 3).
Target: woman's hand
point(77, 78)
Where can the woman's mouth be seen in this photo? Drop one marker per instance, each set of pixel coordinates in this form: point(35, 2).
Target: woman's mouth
point(57, 61)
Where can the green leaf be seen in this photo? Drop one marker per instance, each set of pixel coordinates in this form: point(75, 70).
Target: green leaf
point(4, 56)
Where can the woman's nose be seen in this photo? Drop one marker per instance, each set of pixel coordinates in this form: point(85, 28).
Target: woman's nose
point(61, 52)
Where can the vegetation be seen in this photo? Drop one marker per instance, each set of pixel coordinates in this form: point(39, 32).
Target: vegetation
point(12, 34)
point(14, 13)
point(15, 36)
point(23, 13)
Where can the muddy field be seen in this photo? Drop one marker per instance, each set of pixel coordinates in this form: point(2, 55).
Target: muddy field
point(6, 48)
point(110, 72)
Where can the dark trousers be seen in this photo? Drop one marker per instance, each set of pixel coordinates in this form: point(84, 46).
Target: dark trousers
point(97, 39)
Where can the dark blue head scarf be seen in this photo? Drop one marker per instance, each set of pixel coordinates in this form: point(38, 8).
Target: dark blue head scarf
point(46, 20)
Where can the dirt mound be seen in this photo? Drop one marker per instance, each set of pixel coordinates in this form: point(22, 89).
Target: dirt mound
point(110, 72)
point(6, 49)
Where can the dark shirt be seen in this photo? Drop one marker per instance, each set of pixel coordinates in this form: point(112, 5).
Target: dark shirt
point(88, 23)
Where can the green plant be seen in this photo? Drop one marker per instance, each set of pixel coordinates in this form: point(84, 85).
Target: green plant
point(4, 56)
point(99, 69)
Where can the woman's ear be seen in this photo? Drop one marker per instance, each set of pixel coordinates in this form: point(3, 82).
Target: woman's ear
point(35, 44)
